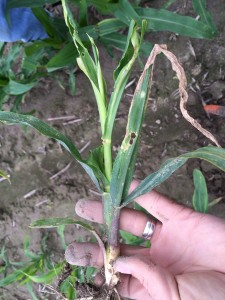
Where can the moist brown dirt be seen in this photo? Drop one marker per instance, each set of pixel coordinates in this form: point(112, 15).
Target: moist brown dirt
point(32, 159)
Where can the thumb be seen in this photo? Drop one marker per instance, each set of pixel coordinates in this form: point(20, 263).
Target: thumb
point(158, 282)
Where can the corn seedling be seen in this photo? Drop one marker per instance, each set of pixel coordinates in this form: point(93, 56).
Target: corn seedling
point(39, 269)
point(41, 58)
point(112, 175)
point(200, 199)
point(4, 176)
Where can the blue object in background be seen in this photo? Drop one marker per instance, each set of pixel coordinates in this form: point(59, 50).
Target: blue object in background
point(20, 25)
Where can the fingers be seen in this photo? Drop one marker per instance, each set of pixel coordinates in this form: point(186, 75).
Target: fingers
point(131, 220)
point(84, 254)
point(89, 254)
point(130, 287)
point(157, 281)
point(158, 205)
point(202, 285)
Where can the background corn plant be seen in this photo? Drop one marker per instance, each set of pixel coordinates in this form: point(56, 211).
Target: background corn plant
point(40, 268)
point(22, 65)
point(200, 199)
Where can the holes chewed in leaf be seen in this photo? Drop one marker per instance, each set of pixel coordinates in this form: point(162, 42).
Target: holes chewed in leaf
point(132, 137)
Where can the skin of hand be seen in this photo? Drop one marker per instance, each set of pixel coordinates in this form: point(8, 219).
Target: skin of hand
point(186, 259)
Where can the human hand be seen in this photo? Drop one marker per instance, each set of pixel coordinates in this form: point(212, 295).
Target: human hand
point(186, 258)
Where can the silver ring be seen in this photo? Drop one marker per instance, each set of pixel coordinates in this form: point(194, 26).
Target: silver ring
point(149, 230)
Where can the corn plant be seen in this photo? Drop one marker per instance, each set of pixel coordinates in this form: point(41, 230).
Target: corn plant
point(112, 175)
point(40, 269)
point(200, 199)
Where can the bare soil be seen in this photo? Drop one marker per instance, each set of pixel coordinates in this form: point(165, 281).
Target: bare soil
point(32, 160)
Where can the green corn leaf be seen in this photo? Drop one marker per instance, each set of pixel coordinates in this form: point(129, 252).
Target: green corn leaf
point(56, 222)
point(7, 61)
point(200, 198)
point(65, 57)
point(84, 61)
point(131, 239)
point(17, 88)
point(61, 233)
point(163, 20)
point(9, 279)
point(43, 128)
point(82, 4)
point(118, 41)
point(89, 273)
point(17, 101)
point(121, 76)
point(45, 278)
point(2, 46)
point(4, 81)
point(72, 82)
point(31, 290)
point(124, 164)
point(122, 174)
point(129, 50)
point(90, 67)
point(96, 158)
point(156, 178)
point(114, 40)
point(67, 287)
point(32, 58)
point(86, 32)
point(200, 8)
point(213, 155)
point(105, 7)
point(93, 171)
point(109, 26)
point(47, 22)
point(17, 275)
point(28, 3)
point(126, 13)
point(26, 248)
point(168, 4)
point(4, 175)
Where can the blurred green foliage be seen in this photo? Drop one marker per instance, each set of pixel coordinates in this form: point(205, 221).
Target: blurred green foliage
point(23, 65)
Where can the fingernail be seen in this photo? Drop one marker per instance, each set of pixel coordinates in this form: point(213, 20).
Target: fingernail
point(80, 207)
point(70, 255)
point(122, 266)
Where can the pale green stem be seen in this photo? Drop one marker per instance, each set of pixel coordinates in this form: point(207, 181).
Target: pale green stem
point(101, 103)
point(107, 148)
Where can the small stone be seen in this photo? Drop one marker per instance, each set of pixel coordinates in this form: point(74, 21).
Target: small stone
point(196, 70)
point(158, 121)
point(217, 89)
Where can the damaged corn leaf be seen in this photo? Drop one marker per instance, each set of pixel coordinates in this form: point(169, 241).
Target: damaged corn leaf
point(125, 161)
point(56, 222)
point(213, 155)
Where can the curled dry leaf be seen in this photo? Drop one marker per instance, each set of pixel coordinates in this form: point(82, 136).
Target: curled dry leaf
point(176, 66)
